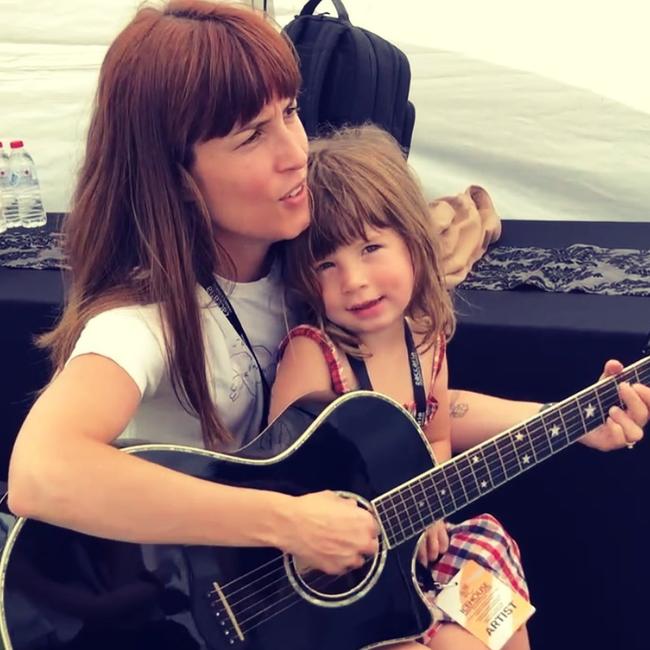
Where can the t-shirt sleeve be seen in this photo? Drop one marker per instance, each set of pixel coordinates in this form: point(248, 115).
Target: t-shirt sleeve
point(132, 338)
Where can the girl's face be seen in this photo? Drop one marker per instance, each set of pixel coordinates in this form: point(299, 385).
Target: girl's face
point(253, 181)
point(367, 285)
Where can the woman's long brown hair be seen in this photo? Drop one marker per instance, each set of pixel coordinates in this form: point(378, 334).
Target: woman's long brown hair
point(359, 177)
point(138, 231)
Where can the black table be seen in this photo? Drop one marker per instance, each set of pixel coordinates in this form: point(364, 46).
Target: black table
point(581, 519)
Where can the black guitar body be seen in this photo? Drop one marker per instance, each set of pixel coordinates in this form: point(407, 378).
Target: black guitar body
point(62, 589)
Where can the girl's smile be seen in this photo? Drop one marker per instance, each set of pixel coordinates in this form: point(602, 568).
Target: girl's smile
point(367, 309)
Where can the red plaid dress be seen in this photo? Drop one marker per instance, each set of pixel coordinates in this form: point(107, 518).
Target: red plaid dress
point(481, 538)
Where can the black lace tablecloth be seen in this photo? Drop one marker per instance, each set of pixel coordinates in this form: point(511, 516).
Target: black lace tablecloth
point(577, 268)
point(31, 249)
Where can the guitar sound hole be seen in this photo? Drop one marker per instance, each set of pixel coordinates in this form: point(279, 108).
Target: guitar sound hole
point(333, 590)
point(336, 586)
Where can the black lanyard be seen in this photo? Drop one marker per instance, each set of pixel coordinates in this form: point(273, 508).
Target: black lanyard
point(221, 300)
point(361, 373)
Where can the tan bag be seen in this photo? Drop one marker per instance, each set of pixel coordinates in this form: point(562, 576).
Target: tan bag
point(465, 224)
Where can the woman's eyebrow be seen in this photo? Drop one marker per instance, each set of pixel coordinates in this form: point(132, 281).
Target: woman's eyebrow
point(252, 126)
point(263, 122)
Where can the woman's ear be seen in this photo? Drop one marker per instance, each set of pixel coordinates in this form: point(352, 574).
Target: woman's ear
point(190, 192)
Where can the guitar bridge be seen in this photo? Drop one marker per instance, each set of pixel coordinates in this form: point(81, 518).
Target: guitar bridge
point(225, 616)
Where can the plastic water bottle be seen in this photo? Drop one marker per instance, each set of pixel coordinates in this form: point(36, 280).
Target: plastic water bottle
point(3, 221)
point(6, 191)
point(26, 188)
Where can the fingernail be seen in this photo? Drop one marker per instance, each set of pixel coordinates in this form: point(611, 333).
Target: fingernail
point(614, 410)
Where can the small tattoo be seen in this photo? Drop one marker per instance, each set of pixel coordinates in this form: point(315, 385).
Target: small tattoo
point(458, 409)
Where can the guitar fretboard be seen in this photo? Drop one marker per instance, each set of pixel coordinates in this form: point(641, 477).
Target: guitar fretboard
point(409, 509)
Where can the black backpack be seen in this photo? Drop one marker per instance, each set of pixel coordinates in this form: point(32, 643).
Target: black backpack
point(350, 75)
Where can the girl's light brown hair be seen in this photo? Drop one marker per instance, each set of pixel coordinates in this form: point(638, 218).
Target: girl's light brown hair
point(359, 177)
point(139, 231)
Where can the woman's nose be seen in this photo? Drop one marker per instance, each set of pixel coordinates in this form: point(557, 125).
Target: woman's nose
point(292, 152)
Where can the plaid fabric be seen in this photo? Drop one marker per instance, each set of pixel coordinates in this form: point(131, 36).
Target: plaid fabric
point(485, 541)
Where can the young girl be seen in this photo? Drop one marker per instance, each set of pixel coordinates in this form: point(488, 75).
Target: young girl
point(378, 316)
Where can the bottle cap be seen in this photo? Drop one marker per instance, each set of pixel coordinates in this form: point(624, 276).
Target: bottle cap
point(16, 144)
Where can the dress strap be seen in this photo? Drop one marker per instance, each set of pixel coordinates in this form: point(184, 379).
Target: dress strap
point(360, 372)
point(438, 356)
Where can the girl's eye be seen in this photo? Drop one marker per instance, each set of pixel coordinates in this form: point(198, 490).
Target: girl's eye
point(371, 248)
point(323, 266)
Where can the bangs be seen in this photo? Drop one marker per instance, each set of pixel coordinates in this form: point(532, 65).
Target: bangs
point(247, 64)
point(341, 219)
point(206, 67)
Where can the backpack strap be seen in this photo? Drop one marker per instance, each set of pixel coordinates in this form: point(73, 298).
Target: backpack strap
point(314, 63)
point(325, 34)
point(308, 9)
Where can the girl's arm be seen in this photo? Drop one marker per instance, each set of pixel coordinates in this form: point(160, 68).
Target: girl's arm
point(438, 431)
point(476, 417)
point(301, 371)
point(64, 471)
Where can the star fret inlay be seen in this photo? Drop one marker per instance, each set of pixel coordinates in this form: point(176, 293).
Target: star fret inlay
point(590, 410)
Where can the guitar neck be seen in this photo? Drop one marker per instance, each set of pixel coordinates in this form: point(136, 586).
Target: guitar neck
point(407, 510)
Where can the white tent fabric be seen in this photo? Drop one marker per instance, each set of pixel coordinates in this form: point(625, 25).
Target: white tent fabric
point(544, 104)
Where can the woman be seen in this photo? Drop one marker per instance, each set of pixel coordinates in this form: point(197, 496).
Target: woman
point(191, 168)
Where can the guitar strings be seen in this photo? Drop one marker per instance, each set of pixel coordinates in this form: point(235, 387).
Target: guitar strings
point(323, 581)
point(577, 419)
point(289, 591)
point(248, 575)
point(324, 578)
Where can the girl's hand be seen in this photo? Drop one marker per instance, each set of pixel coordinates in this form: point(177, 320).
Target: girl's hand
point(622, 427)
point(330, 533)
point(434, 543)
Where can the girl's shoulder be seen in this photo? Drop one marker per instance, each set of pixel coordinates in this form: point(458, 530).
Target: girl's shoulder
point(327, 348)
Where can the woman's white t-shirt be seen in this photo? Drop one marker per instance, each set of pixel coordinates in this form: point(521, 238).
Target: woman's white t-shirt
point(132, 337)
